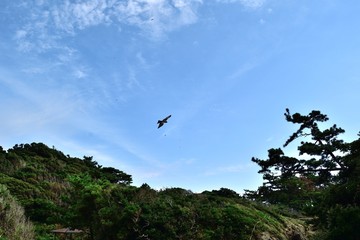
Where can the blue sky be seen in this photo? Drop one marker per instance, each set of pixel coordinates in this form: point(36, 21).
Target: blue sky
point(92, 77)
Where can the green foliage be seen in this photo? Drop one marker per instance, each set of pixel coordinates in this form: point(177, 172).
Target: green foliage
point(38, 177)
point(61, 191)
point(172, 213)
point(90, 207)
point(115, 176)
point(297, 182)
point(344, 222)
point(41, 210)
point(327, 185)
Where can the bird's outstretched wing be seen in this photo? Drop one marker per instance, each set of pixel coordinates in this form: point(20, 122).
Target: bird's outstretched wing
point(165, 119)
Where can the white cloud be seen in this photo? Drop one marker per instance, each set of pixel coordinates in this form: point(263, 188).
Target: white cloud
point(20, 34)
point(33, 70)
point(243, 69)
point(132, 80)
point(247, 3)
point(80, 73)
point(49, 22)
point(55, 114)
point(71, 16)
point(32, 108)
point(253, 3)
point(227, 169)
point(157, 17)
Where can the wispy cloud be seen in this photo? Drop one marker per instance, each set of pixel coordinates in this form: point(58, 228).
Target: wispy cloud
point(244, 68)
point(80, 73)
point(71, 16)
point(142, 61)
point(48, 22)
point(158, 17)
point(247, 3)
point(227, 169)
point(132, 81)
point(36, 108)
point(55, 115)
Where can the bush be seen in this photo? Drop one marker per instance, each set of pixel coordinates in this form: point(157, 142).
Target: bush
point(13, 223)
point(344, 223)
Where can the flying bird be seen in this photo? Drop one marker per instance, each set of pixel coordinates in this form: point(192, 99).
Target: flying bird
point(162, 122)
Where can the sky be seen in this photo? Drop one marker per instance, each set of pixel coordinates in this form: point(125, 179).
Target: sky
point(93, 77)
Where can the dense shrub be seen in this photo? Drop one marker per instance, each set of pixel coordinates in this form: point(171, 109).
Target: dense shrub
point(13, 223)
point(344, 223)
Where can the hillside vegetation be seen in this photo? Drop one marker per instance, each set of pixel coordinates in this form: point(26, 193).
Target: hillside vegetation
point(42, 189)
point(61, 191)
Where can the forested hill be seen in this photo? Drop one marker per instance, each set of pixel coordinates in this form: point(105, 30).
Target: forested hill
point(58, 191)
point(35, 170)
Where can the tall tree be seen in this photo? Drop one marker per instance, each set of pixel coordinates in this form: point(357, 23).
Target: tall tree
point(326, 182)
point(94, 206)
point(298, 181)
